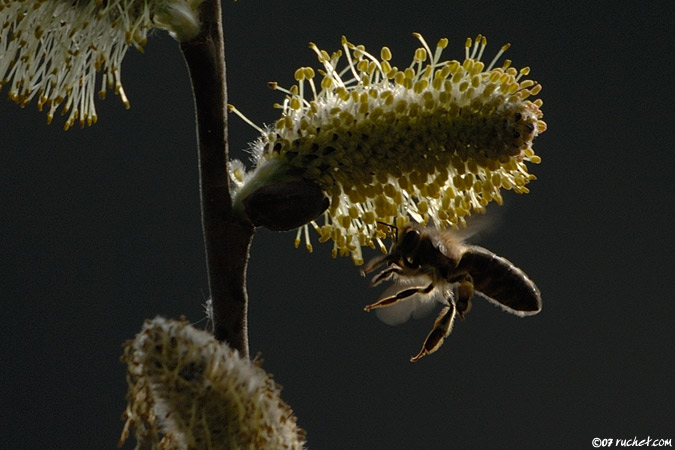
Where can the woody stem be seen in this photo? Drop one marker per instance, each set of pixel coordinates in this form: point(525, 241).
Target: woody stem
point(227, 238)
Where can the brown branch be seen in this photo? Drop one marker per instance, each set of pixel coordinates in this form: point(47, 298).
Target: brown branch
point(226, 238)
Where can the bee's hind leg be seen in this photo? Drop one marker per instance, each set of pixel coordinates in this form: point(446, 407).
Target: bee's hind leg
point(442, 328)
point(464, 295)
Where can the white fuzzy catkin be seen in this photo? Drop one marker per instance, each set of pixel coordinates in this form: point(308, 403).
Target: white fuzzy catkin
point(53, 51)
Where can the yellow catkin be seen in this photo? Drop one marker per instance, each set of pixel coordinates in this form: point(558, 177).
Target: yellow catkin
point(434, 145)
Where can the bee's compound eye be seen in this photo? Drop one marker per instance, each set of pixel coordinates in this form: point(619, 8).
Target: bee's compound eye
point(285, 206)
point(409, 241)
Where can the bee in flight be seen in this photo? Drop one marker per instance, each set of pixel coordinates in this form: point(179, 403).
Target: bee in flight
point(428, 264)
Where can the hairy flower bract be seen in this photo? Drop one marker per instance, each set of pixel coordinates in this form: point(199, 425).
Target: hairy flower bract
point(428, 143)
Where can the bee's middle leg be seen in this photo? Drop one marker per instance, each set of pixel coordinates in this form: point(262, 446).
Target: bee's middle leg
point(400, 295)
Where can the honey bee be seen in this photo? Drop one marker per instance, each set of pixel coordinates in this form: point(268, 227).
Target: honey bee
point(427, 264)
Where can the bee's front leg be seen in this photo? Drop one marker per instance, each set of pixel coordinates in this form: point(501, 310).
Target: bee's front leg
point(385, 275)
point(442, 328)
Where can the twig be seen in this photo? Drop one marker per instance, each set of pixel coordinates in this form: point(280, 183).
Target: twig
point(226, 238)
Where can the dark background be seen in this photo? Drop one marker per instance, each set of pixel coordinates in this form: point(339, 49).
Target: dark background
point(99, 230)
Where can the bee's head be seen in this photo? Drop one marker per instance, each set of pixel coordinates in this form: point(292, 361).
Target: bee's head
point(406, 246)
point(408, 240)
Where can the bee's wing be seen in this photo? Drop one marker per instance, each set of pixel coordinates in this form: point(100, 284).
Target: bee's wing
point(476, 226)
point(416, 306)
